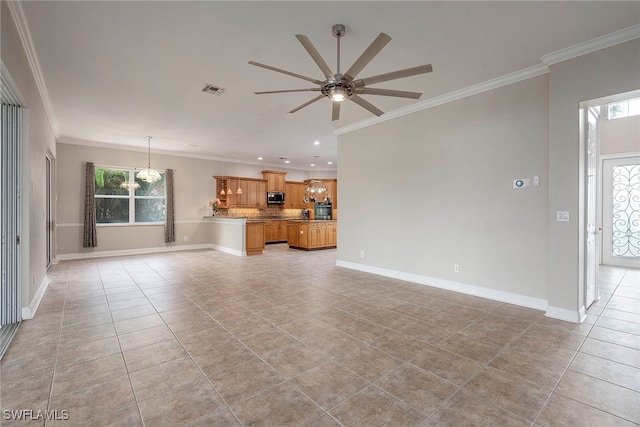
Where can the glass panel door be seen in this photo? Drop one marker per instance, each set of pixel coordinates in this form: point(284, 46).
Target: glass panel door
point(621, 207)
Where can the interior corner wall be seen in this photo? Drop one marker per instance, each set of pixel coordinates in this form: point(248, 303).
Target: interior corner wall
point(39, 140)
point(425, 191)
point(602, 73)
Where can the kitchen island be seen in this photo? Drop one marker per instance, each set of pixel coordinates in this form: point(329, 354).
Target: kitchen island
point(312, 234)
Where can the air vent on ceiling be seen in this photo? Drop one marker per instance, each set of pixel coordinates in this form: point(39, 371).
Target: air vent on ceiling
point(214, 90)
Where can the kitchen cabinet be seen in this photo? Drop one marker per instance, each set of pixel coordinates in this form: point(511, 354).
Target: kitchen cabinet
point(288, 195)
point(310, 235)
point(232, 192)
point(275, 231)
point(282, 231)
point(332, 191)
point(292, 234)
point(262, 194)
point(317, 235)
point(255, 238)
point(242, 197)
point(253, 194)
point(294, 193)
point(221, 184)
point(275, 180)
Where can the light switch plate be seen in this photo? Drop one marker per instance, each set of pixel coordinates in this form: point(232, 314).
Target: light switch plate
point(562, 216)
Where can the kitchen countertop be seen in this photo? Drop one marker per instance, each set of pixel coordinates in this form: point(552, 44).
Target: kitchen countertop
point(313, 220)
point(247, 219)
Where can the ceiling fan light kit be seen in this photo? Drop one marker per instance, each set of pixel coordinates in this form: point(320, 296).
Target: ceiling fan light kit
point(339, 87)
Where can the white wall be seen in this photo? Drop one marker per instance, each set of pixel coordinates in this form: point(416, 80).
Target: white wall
point(39, 141)
point(426, 191)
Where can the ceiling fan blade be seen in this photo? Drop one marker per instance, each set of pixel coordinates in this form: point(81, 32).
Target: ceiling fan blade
point(317, 98)
point(315, 55)
point(289, 73)
point(388, 92)
point(407, 72)
point(315, 89)
point(374, 48)
point(335, 113)
point(366, 105)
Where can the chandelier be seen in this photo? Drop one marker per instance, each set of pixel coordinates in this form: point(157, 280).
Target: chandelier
point(149, 174)
point(315, 191)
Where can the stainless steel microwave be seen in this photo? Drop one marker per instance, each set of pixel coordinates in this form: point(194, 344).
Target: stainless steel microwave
point(274, 197)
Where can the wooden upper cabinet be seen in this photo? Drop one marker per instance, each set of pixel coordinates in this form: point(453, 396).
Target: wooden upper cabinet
point(294, 193)
point(253, 194)
point(332, 190)
point(288, 196)
point(262, 194)
point(275, 181)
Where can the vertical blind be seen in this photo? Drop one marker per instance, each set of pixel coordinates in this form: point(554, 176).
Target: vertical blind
point(10, 129)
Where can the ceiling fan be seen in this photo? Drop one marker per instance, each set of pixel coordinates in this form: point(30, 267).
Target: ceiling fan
point(339, 87)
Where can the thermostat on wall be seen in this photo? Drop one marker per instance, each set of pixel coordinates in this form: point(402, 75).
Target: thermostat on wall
point(520, 183)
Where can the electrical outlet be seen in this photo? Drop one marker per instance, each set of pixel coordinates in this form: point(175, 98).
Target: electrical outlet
point(362, 253)
point(456, 268)
point(186, 238)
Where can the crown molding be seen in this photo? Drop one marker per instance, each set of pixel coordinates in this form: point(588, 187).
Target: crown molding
point(602, 42)
point(527, 73)
point(110, 146)
point(17, 13)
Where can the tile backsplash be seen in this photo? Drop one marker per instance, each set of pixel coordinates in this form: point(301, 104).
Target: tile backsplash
point(274, 212)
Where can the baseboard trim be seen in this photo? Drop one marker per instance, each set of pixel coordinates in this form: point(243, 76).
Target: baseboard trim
point(125, 252)
point(463, 288)
point(145, 251)
point(30, 311)
point(229, 250)
point(566, 315)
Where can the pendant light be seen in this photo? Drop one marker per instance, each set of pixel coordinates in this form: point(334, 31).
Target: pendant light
point(315, 190)
point(229, 192)
point(149, 174)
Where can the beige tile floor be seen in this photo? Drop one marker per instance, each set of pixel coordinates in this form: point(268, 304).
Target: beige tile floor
point(204, 338)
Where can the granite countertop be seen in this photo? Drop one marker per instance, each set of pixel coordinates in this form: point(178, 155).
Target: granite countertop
point(271, 219)
point(313, 220)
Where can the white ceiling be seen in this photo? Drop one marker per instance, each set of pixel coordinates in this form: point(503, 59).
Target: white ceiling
point(118, 71)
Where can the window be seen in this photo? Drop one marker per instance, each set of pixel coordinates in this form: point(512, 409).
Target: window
point(626, 108)
point(121, 198)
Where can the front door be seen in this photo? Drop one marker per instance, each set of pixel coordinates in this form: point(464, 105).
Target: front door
point(621, 212)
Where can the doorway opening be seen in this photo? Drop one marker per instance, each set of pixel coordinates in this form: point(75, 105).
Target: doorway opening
point(612, 186)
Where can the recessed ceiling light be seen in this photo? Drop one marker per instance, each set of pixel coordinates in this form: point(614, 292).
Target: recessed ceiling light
point(287, 161)
point(312, 165)
point(260, 158)
point(329, 163)
point(316, 143)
